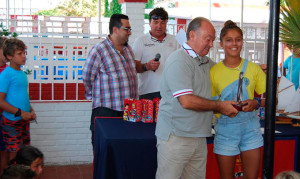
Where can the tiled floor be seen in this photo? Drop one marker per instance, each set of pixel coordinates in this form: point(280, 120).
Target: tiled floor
point(67, 172)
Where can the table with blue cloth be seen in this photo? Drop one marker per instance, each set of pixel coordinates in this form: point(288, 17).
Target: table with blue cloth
point(127, 150)
point(124, 149)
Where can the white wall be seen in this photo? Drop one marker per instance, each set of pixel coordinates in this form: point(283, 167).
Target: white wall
point(62, 132)
point(135, 11)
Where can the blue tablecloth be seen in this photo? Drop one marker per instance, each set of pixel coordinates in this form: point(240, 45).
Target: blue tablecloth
point(126, 150)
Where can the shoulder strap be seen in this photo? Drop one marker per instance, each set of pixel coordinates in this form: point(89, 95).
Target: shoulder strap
point(244, 66)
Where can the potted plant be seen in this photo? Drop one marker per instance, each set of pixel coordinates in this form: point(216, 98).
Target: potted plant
point(5, 32)
point(289, 24)
point(289, 30)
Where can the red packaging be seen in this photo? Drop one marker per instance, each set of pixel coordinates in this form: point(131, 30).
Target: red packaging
point(136, 111)
point(147, 114)
point(156, 108)
point(127, 108)
point(132, 110)
point(238, 169)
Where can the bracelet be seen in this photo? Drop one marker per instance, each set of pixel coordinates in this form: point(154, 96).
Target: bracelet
point(258, 101)
point(144, 68)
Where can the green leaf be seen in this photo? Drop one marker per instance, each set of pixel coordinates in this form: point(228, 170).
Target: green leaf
point(290, 23)
point(82, 8)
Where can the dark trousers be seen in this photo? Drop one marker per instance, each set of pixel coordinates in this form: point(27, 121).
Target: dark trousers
point(102, 112)
point(150, 96)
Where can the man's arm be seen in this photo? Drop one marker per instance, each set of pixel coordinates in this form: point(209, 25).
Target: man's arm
point(196, 103)
point(285, 66)
point(284, 71)
point(151, 65)
point(11, 109)
point(139, 66)
point(89, 72)
point(138, 53)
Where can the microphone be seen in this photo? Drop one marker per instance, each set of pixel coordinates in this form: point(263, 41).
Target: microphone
point(157, 57)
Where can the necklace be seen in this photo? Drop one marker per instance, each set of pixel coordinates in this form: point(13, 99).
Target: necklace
point(236, 68)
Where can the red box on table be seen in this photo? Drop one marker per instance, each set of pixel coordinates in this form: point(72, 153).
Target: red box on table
point(156, 108)
point(132, 110)
point(147, 116)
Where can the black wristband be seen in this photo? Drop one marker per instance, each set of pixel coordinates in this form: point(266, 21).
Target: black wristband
point(18, 113)
point(144, 68)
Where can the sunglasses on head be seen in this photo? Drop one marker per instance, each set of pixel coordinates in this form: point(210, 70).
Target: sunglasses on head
point(155, 17)
point(202, 62)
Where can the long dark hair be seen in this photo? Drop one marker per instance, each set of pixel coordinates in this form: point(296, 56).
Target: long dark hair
point(26, 155)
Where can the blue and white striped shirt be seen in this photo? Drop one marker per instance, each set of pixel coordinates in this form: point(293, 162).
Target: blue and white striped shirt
point(109, 77)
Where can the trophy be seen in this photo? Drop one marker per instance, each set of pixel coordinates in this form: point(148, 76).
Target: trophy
point(240, 105)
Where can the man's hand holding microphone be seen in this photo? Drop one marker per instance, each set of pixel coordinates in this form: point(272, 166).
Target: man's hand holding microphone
point(154, 63)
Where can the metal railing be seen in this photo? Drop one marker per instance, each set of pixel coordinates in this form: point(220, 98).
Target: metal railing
point(29, 25)
point(56, 57)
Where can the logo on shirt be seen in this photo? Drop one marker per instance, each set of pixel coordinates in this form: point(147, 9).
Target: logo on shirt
point(149, 45)
point(172, 45)
point(246, 81)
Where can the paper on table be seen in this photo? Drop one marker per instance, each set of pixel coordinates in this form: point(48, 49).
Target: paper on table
point(294, 105)
point(286, 92)
point(181, 37)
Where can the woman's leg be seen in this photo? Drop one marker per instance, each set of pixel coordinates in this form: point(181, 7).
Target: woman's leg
point(251, 163)
point(226, 166)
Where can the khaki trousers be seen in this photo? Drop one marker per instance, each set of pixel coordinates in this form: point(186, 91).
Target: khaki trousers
point(181, 158)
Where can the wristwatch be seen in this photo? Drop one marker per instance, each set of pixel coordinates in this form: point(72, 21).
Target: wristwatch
point(18, 113)
point(144, 67)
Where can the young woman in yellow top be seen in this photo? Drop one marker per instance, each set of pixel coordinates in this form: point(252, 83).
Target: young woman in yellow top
point(241, 134)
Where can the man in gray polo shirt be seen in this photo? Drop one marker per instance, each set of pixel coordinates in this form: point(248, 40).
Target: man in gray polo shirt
point(185, 113)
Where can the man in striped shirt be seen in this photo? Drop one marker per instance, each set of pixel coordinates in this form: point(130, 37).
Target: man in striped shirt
point(109, 74)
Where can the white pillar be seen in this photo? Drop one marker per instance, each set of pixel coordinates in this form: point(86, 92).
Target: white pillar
point(135, 11)
point(99, 18)
point(7, 14)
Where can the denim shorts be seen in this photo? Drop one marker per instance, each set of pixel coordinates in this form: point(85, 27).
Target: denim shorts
point(235, 135)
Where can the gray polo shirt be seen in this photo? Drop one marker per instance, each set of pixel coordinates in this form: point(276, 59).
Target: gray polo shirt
point(182, 75)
